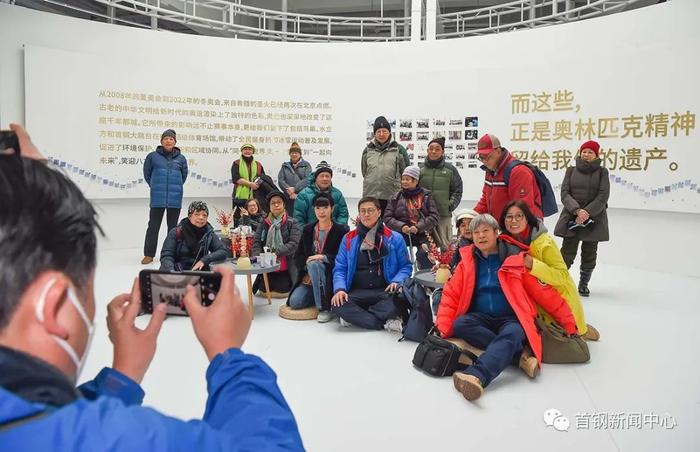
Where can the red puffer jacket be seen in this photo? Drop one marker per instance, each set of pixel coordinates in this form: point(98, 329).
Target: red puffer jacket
point(522, 290)
point(521, 185)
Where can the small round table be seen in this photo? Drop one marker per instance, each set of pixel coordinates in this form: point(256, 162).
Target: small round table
point(426, 278)
point(256, 269)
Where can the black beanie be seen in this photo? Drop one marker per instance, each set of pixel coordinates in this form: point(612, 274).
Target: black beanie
point(440, 141)
point(273, 194)
point(322, 167)
point(381, 123)
point(168, 133)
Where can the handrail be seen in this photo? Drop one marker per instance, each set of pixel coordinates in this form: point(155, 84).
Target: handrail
point(358, 28)
point(233, 19)
point(494, 14)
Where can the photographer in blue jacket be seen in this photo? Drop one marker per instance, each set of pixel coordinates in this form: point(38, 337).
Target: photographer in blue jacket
point(46, 323)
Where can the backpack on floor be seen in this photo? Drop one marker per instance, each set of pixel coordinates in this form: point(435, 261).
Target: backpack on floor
point(413, 305)
point(549, 200)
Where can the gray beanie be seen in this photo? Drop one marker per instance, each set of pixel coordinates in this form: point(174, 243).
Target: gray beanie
point(169, 133)
point(412, 171)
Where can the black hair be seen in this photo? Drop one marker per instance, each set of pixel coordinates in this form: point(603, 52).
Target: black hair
point(252, 200)
point(322, 199)
point(371, 199)
point(522, 205)
point(45, 224)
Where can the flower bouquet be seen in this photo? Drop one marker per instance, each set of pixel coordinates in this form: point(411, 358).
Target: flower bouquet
point(225, 220)
point(440, 258)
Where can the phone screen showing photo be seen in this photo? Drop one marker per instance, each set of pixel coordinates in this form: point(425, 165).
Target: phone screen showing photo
point(170, 288)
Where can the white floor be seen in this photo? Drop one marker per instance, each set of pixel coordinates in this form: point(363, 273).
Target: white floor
point(357, 390)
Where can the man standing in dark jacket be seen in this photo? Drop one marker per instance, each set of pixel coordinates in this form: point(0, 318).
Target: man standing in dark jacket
point(383, 162)
point(445, 184)
point(293, 176)
point(165, 172)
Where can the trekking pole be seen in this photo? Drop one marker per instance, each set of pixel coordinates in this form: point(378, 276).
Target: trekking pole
point(410, 248)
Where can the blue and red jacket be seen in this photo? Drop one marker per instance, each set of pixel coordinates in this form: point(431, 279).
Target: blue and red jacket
point(396, 264)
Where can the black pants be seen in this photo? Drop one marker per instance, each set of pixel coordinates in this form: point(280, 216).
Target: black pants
point(421, 256)
point(589, 252)
point(155, 218)
point(368, 308)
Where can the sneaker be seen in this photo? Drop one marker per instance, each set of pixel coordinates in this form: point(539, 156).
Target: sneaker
point(591, 334)
point(344, 323)
point(394, 325)
point(324, 316)
point(528, 364)
point(146, 260)
point(468, 385)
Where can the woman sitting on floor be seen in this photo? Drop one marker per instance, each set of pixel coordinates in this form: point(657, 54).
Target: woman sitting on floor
point(252, 215)
point(315, 259)
point(280, 234)
point(544, 261)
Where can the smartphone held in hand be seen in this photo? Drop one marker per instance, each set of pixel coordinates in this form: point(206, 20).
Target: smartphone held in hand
point(9, 144)
point(170, 287)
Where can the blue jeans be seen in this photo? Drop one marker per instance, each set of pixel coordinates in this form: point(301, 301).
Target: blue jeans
point(501, 338)
point(306, 296)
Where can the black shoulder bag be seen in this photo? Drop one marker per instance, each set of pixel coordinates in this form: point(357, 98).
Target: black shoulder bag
point(438, 357)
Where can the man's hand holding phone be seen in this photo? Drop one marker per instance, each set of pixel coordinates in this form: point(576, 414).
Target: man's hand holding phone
point(134, 348)
point(225, 323)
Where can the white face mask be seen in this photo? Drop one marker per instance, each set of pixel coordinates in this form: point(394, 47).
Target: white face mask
point(78, 361)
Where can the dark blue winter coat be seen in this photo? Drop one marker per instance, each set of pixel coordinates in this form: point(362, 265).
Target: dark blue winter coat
point(245, 410)
point(165, 173)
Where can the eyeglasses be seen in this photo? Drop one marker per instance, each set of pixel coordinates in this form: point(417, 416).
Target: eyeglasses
point(276, 202)
point(516, 217)
point(367, 211)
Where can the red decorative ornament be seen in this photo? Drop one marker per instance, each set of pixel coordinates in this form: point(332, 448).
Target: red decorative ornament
point(223, 218)
point(438, 256)
point(236, 248)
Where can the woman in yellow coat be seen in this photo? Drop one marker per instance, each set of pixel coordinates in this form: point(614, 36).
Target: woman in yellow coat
point(545, 261)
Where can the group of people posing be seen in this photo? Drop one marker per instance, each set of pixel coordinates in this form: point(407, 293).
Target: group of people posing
point(506, 271)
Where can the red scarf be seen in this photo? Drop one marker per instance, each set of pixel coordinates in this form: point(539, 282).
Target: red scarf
point(414, 204)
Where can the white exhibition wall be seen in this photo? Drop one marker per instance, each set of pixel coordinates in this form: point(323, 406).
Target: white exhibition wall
point(96, 98)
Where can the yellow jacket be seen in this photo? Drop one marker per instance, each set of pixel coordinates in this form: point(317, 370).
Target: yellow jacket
point(549, 267)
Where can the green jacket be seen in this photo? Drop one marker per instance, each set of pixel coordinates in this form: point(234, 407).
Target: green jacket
point(304, 210)
point(382, 166)
point(445, 184)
